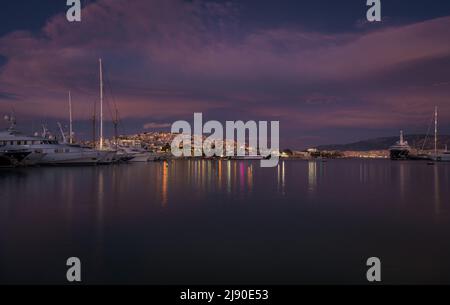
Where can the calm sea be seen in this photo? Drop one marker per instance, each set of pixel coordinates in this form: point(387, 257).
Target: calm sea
point(227, 222)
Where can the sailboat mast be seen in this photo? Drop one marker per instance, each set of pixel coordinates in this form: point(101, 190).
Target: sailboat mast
point(94, 127)
point(70, 120)
point(101, 104)
point(116, 122)
point(435, 129)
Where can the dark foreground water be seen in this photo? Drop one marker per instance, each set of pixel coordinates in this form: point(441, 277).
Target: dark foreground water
point(228, 222)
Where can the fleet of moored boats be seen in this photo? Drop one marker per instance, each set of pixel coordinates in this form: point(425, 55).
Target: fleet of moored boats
point(17, 149)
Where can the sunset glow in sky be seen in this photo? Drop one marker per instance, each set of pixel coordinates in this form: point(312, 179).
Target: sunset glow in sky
point(318, 67)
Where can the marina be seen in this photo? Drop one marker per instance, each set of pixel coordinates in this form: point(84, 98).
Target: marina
point(224, 151)
point(18, 149)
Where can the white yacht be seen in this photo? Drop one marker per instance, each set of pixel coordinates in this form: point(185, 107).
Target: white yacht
point(48, 151)
point(44, 150)
point(11, 141)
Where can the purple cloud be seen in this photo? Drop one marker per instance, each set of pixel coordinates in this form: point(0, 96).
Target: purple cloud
point(166, 59)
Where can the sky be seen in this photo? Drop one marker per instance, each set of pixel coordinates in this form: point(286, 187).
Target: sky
point(318, 67)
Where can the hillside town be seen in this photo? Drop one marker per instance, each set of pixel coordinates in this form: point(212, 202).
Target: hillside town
point(159, 141)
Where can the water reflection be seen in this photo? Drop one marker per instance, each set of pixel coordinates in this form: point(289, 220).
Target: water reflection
point(206, 176)
point(250, 177)
point(281, 177)
point(362, 173)
point(100, 212)
point(114, 214)
point(228, 176)
point(402, 174)
point(235, 174)
point(219, 175)
point(165, 177)
point(312, 176)
point(437, 197)
point(69, 189)
point(100, 198)
point(102, 187)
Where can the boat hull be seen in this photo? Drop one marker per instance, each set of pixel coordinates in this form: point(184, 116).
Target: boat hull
point(6, 162)
point(247, 157)
point(441, 158)
point(399, 154)
point(13, 158)
point(140, 157)
point(84, 157)
point(107, 156)
point(33, 159)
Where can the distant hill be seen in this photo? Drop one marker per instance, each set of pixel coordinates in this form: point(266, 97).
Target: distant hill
point(415, 141)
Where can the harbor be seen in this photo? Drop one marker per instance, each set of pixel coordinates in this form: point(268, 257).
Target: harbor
point(18, 149)
point(21, 150)
point(223, 151)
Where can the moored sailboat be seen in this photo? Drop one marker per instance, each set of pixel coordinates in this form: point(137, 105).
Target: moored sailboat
point(109, 155)
point(440, 156)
